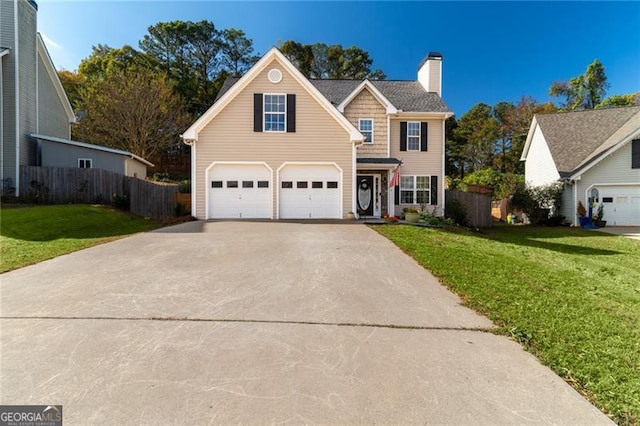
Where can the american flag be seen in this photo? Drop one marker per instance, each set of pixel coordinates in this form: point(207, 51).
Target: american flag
point(395, 180)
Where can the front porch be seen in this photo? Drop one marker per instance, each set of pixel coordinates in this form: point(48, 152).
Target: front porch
point(373, 196)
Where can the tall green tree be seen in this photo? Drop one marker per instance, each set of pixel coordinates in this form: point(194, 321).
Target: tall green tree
point(319, 60)
point(584, 91)
point(477, 131)
point(134, 111)
point(300, 55)
point(237, 52)
point(73, 84)
point(632, 99)
point(189, 53)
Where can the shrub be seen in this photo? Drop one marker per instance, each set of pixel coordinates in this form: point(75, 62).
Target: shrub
point(121, 202)
point(184, 187)
point(180, 210)
point(504, 184)
point(456, 211)
point(538, 201)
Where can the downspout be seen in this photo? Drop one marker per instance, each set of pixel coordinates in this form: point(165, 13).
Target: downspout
point(444, 142)
point(194, 187)
point(17, 95)
point(575, 202)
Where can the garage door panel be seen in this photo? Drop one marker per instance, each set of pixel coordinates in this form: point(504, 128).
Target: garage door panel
point(239, 191)
point(621, 205)
point(309, 192)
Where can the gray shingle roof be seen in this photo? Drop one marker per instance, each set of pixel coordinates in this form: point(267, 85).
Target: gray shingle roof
point(378, 160)
point(577, 138)
point(406, 95)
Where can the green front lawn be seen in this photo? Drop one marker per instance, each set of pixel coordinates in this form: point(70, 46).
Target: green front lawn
point(570, 296)
point(32, 234)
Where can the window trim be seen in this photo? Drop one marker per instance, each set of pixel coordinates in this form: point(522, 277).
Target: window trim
point(414, 190)
point(89, 160)
point(264, 113)
point(360, 120)
point(418, 136)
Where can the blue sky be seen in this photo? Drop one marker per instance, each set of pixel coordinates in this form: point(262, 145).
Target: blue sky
point(493, 51)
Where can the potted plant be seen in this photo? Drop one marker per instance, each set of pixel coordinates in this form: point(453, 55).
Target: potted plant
point(351, 216)
point(598, 217)
point(411, 215)
point(582, 215)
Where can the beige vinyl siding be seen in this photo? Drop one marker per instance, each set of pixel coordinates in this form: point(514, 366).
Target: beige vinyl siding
point(365, 105)
point(419, 163)
point(52, 117)
point(230, 137)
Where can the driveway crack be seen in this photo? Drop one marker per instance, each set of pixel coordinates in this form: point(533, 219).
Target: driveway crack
point(254, 321)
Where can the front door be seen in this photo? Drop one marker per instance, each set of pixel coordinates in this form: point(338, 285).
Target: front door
point(366, 195)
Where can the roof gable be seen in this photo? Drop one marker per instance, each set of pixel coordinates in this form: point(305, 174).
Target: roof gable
point(237, 86)
point(576, 139)
point(366, 84)
point(55, 80)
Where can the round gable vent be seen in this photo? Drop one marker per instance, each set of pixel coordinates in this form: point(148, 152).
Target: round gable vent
point(275, 75)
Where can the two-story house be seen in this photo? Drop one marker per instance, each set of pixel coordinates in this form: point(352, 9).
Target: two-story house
point(35, 113)
point(32, 99)
point(277, 145)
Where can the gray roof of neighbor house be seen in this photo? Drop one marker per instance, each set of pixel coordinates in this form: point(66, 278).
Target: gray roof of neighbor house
point(405, 95)
point(577, 138)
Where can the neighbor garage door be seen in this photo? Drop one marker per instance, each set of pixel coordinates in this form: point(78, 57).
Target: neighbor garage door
point(310, 192)
point(240, 191)
point(621, 205)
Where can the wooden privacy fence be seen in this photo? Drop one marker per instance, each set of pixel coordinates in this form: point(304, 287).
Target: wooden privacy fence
point(152, 200)
point(61, 185)
point(478, 206)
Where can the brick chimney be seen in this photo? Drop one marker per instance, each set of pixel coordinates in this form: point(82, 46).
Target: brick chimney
point(430, 73)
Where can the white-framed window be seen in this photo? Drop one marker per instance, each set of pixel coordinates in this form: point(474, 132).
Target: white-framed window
point(413, 136)
point(414, 189)
point(365, 125)
point(85, 163)
point(275, 112)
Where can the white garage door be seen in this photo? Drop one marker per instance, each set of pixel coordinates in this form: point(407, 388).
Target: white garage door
point(621, 205)
point(310, 192)
point(240, 191)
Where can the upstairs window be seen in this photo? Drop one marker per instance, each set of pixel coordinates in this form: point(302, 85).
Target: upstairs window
point(365, 125)
point(635, 154)
point(413, 136)
point(275, 113)
point(85, 163)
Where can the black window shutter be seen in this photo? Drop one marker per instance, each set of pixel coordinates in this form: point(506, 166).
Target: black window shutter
point(635, 154)
point(403, 136)
point(434, 190)
point(257, 112)
point(291, 113)
point(396, 195)
point(423, 136)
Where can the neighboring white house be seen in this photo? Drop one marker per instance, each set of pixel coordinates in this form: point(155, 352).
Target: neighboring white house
point(595, 153)
point(277, 145)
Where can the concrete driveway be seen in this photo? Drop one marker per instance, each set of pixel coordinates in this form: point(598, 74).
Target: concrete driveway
point(228, 322)
point(632, 232)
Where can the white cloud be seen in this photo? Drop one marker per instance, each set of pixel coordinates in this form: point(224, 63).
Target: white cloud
point(50, 43)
